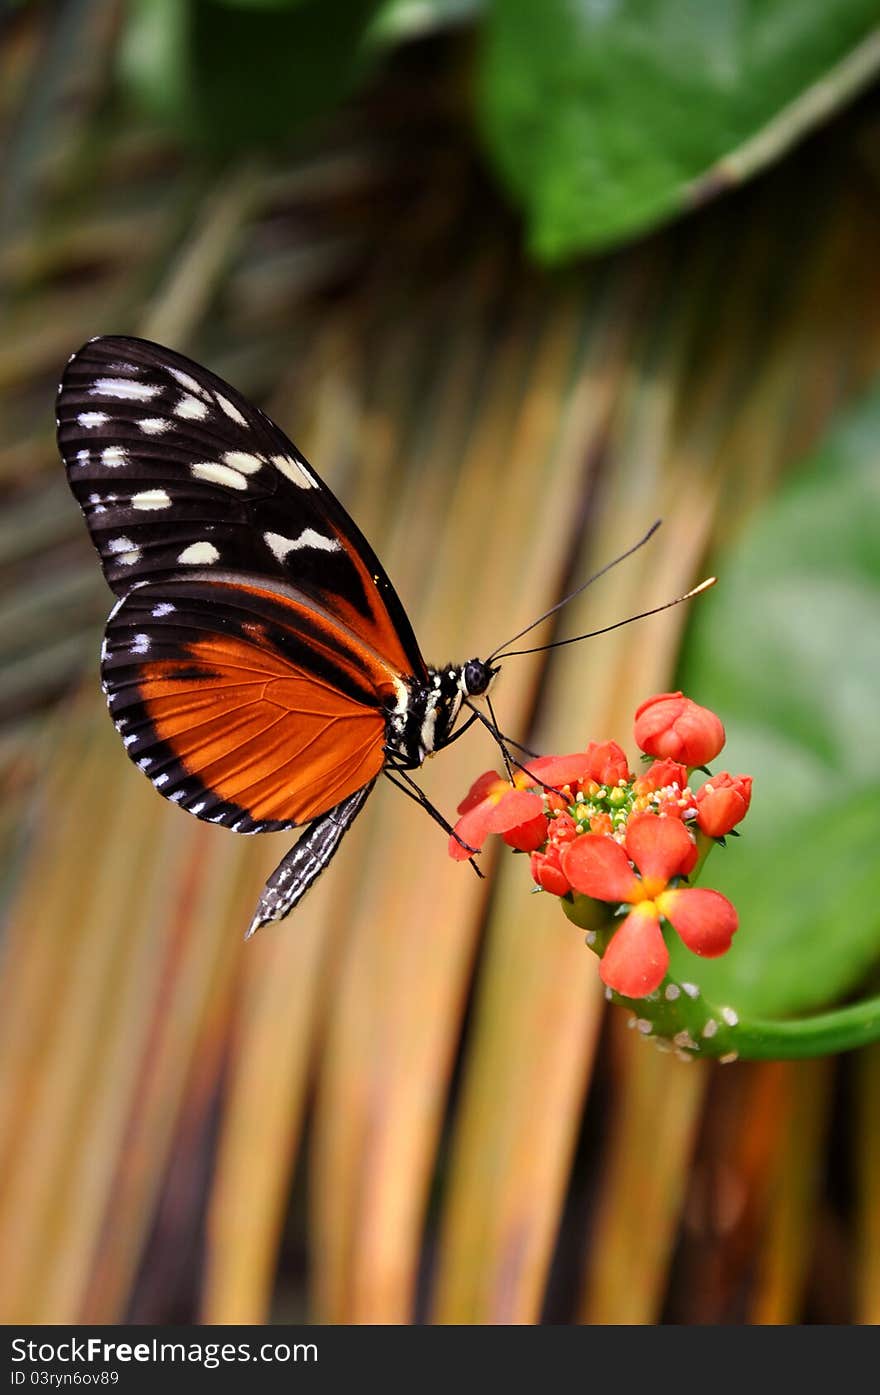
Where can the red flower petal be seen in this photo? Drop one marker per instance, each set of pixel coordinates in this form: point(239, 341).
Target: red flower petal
point(513, 808)
point(599, 867)
point(660, 848)
point(608, 763)
point(722, 802)
point(704, 919)
point(480, 790)
point(637, 958)
point(528, 836)
point(559, 770)
point(474, 828)
point(671, 725)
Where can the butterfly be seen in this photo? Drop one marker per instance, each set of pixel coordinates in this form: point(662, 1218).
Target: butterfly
point(258, 663)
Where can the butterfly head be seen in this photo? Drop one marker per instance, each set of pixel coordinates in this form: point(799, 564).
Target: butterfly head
point(423, 715)
point(450, 689)
point(477, 676)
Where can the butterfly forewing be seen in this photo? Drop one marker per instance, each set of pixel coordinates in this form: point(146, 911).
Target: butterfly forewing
point(175, 470)
point(257, 646)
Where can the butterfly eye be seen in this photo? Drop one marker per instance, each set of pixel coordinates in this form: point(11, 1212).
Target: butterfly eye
point(477, 676)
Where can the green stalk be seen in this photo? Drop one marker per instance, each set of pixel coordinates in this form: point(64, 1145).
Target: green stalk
point(843, 1029)
point(692, 1026)
point(679, 1018)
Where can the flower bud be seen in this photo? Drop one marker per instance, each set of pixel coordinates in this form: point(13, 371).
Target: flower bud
point(671, 726)
point(547, 872)
point(722, 802)
point(607, 763)
point(660, 775)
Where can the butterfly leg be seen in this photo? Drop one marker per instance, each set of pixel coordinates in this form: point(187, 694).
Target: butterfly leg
point(300, 868)
point(397, 776)
point(503, 741)
point(461, 730)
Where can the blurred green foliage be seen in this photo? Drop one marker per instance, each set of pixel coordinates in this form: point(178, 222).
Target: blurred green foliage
point(606, 118)
point(601, 119)
point(231, 75)
point(787, 647)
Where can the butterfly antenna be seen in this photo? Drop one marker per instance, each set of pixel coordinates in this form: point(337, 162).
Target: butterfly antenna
point(606, 629)
point(497, 654)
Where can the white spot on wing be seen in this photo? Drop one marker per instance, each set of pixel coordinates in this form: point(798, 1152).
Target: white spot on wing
point(154, 426)
point(186, 381)
point(199, 554)
point(231, 410)
point(124, 387)
point(241, 460)
point(163, 608)
point(83, 457)
point(128, 559)
point(191, 409)
point(119, 545)
point(281, 546)
point(215, 473)
point(294, 471)
point(113, 456)
point(197, 808)
point(161, 780)
point(89, 419)
point(140, 644)
point(151, 499)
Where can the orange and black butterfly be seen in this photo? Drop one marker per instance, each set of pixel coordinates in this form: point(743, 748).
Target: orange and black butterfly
point(258, 663)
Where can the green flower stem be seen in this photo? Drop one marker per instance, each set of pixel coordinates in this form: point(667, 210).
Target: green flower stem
point(677, 1017)
point(692, 1026)
point(844, 1029)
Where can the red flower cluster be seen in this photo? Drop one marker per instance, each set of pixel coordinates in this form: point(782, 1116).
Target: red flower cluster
point(595, 830)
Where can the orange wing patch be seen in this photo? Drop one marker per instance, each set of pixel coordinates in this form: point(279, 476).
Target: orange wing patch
point(260, 733)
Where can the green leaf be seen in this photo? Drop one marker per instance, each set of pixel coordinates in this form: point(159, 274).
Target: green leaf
point(229, 77)
point(787, 649)
point(261, 4)
point(399, 20)
point(605, 117)
point(809, 929)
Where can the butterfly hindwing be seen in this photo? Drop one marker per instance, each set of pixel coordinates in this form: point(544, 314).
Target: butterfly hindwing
point(247, 706)
point(175, 470)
